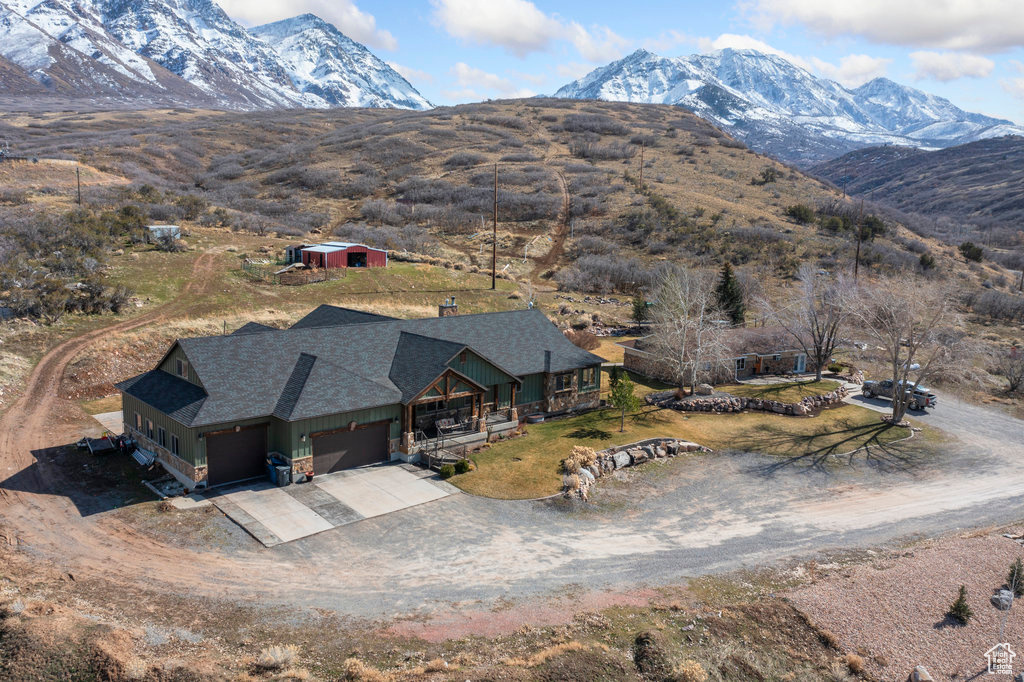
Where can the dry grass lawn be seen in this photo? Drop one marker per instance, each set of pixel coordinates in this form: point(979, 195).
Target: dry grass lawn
point(528, 467)
point(788, 393)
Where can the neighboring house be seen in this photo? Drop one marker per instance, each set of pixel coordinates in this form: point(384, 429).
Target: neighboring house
point(753, 351)
point(344, 255)
point(155, 233)
point(344, 388)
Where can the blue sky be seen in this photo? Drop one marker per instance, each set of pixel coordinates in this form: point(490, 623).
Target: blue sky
point(452, 51)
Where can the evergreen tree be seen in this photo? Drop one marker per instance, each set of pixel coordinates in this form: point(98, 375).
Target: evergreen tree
point(1015, 580)
point(730, 295)
point(960, 611)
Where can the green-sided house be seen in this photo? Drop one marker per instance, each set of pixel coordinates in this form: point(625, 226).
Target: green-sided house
point(343, 388)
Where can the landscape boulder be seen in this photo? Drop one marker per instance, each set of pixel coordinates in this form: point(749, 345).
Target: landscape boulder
point(919, 674)
point(705, 389)
point(622, 460)
point(1003, 600)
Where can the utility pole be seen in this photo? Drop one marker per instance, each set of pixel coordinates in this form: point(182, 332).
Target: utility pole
point(860, 235)
point(78, 176)
point(494, 244)
point(643, 144)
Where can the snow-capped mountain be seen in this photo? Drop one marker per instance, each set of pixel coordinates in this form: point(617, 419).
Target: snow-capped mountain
point(186, 52)
point(779, 108)
point(325, 63)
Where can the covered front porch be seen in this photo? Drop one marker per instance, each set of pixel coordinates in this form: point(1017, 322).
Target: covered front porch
point(456, 410)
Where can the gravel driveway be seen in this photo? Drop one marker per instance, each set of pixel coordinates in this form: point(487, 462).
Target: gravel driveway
point(680, 518)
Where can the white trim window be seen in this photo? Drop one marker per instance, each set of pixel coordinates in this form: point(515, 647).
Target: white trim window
point(741, 364)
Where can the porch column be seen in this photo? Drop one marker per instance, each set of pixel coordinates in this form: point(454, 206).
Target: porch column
point(408, 434)
point(513, 413)
point(481, 420)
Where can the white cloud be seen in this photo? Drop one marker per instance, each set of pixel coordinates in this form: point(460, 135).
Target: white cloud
point(521, 28)
point(344, 14)
point(853, 69)
point(1014, 86)
point(573, 70)
point(745, 42)
point(980, 25)
point(472, 79)
point(412, 75)
point(949, 66)
point(668, 41)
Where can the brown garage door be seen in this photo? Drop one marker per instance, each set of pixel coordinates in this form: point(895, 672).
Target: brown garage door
point(347, 449)
point(236, 456)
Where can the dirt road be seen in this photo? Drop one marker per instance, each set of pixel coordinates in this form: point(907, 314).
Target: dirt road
point(687, 517)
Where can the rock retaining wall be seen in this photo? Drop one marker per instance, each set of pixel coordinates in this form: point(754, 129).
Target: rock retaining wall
point(739, 404)
point(622, 456)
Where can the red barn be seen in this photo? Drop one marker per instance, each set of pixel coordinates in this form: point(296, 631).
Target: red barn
point(344, 255)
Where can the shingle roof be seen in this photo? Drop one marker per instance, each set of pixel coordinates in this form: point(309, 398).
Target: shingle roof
point(418, 361)
point(362, 364)
point(179, 399)
point(329, 316)
point(253, 328)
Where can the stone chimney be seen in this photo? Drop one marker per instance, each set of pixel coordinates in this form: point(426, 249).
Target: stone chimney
point(448, 308)
point(547, 362)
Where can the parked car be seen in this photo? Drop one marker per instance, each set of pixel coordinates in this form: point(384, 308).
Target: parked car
point(920, 399)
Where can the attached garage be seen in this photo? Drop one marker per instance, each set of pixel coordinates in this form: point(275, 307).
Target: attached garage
point(347, 449)
point(236, 455)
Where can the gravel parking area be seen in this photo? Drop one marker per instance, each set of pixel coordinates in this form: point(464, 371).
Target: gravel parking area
point(892, 610)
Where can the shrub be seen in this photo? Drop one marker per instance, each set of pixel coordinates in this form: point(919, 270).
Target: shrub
point(972, 252)
point(927, 261)
point(277, 657)
point(835, 368)
point(462, 159)
point(1015, 579)
point(690, 671)
point(583, 339)
point(447, 471)
point(801, 213)
point(855, 663)
point(357, 671)
point(960, 611)
point(462, 466)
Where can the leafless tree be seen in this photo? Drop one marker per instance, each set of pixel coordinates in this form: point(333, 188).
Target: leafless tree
point(916, 325)
point(815, 315)
point(686, 339)
point(1009, 364)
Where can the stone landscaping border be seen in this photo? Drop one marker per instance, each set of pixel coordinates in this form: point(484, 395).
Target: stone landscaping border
point(668, 400)
point(622, 456)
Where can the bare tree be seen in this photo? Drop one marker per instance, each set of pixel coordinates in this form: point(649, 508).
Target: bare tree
point(915, 324)
point(815, 316)
point(1009, 364)
point(687, 341)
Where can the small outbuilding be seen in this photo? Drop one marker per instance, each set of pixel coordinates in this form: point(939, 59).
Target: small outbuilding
point(155, 233)
point(344, 255)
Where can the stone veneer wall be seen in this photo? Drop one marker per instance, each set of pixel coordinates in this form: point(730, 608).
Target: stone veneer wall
point(168, 458)
point(738, 404)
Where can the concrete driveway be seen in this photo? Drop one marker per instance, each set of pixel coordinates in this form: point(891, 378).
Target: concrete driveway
point(275, 515)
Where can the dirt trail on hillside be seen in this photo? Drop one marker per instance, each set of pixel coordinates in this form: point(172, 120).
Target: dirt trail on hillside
point(550, 259)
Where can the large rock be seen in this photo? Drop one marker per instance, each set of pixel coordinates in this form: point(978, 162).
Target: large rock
point(1003, 600)
point(586, 476)
point(594, 470)
point(622, 460)
point(919, 674)
point(705, 389)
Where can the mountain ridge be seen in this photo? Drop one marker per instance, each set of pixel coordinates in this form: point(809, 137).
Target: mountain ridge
point(780, 108)
point(181, 53)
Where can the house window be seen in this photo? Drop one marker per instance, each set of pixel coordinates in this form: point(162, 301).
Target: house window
point(563, 382)
point(138, 422)
point(741, 364)
point(183, 368)
point(149, 429)
point(161, 437)
point(174, 444)
point(777, 358)
point(589, 375)
point(462, 357)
